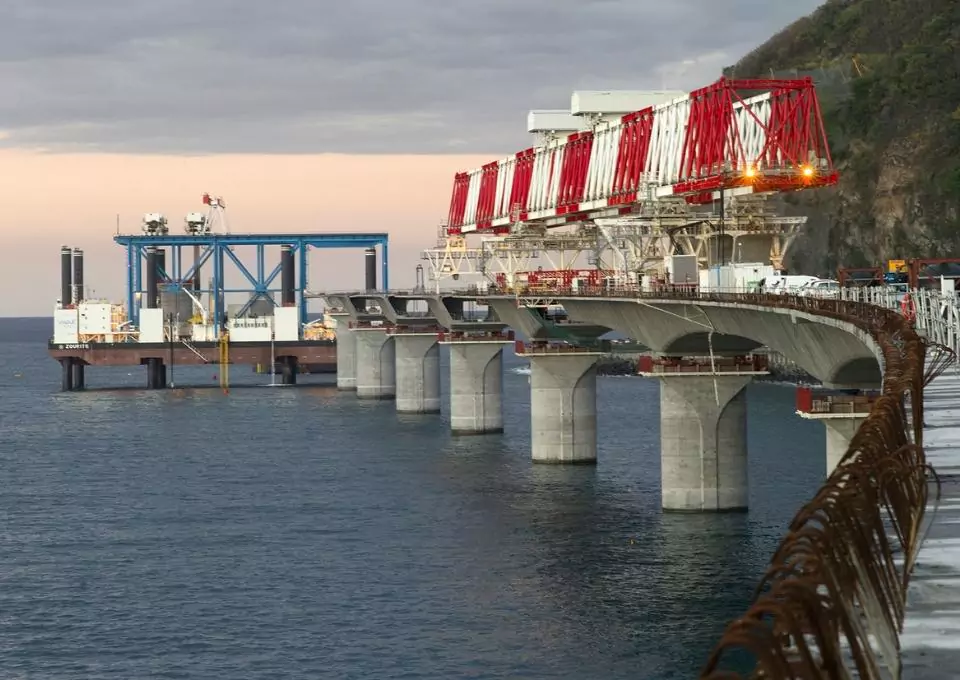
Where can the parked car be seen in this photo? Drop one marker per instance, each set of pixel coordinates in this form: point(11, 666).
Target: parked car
point(821, 288)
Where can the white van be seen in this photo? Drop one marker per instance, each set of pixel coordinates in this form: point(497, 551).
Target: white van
point(789, 284)
point(821, 288)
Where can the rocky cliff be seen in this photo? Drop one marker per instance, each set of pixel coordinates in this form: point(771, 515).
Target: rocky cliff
point(888, 76)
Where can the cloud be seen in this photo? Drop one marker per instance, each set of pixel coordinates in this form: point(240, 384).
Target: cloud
point(365, 76)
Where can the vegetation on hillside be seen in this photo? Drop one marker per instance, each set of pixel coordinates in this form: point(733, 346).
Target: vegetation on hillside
point(894, 127)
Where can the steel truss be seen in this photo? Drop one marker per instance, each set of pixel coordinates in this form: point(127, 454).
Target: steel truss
point(220, 250)
point(637, 244)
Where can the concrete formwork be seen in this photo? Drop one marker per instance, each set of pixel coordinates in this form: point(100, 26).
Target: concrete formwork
point(417, 372)
point(376, 364)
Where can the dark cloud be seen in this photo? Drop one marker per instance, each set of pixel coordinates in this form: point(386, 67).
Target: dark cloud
point(364, 76)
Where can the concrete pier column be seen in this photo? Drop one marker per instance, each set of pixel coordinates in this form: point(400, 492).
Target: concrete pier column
point(346, 353)
point(476, 386)
point(839, 433)
point(563, 406)
point(703, 441)
point(376, 363)
point(78, 375)
point(418, 372)
point(841, 412)
point(66, 376)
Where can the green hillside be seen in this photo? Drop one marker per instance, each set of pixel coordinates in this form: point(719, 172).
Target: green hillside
point(888, 74)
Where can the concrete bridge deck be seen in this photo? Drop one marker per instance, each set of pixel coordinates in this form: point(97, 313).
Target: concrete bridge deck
point(841, 342)
point(831, 349)
point(930, 641)
point(447, 311)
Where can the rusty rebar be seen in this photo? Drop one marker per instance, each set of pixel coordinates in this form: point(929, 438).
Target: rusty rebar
point(834, 598)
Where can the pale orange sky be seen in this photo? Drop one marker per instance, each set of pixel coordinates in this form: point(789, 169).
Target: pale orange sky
point(50, 200)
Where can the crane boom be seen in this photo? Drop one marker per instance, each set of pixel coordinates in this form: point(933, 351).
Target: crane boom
point(742, 136)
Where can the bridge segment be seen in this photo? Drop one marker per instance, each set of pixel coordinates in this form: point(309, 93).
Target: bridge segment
point(706, 470)
point(387, 349)
point(703, 343)
point(894, 441)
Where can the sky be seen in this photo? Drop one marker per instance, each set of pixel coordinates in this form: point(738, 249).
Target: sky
point(305, 115)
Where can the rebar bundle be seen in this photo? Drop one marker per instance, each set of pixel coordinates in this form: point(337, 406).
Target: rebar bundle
point(832, 603)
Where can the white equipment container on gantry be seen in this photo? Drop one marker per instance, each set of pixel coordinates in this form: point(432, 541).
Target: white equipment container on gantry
point(154, 224)
point(196, 223)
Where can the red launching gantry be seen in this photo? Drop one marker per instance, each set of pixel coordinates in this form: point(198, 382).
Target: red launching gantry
point(738, 136)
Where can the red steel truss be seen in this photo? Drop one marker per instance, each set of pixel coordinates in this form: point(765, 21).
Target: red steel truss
point(747, 136)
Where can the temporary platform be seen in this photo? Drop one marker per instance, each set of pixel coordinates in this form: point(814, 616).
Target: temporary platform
point(223, 250)
point(171, 317)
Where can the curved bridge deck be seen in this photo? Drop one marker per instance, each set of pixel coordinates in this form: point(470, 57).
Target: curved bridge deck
point(931, 635)
point(836, 594)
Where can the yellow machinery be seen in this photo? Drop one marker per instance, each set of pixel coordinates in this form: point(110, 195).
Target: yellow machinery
point(225, 361)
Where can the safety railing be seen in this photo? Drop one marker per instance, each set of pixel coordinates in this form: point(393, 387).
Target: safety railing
point(826, 402)
point(834, 596)
point(527, 348)
point(432, 329)
point(476, 336)
point(935, 314)
point(376, 323)
point(755, 363)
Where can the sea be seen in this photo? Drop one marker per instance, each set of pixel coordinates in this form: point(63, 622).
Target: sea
point(297, 532)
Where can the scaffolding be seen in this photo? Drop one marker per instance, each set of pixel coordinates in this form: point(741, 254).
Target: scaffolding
point(748, 229)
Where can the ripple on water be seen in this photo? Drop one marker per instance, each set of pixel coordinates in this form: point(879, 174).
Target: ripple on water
point(301, 533)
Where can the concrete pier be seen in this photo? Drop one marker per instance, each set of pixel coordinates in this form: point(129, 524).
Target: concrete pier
point(476, 385)
point(703, 442)
point(346, 353)
point(563, 405)
point(417, 372)
point(841, 414)
point(703, 430)
point(376, 363)
point(839, 433)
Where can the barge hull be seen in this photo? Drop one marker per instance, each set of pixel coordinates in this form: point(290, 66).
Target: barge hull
point(315, 353)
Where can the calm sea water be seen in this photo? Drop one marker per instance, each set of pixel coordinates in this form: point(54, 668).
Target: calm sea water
point(301, 533)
